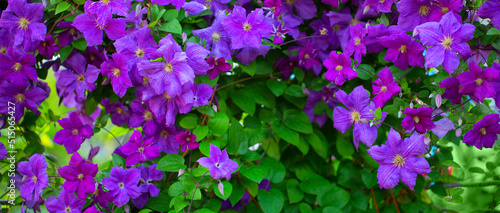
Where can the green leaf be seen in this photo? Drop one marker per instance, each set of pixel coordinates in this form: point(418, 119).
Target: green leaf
point(170, 15)
point(452, 164)
point(219, 124)
point(293, 191)
point(200, 132)
point(250, 68)
point(344, 148)
point(272, 201)
point(90, 105)
point(276, 87)
point(80, 2)
point(245, 100)
point(359, 201)
point(491, 58)
point(297, 120)
point(118, 160)
point(384, 20)
point(62, 7)
point(319, 146)
point(188, 122)
point(334, 196)
point(204, 211)
point(315, 184)
point(365, 71)
point(378, 113)
point(237, 142)
point(34, 146)
point(493, 31)
point(171, 163)
point(160, 203)
point(331, 209)
point(276, 170)
point(480, 109)
point(172, 27)
point(286, 134)
point(80, 44)
point(237, 193)
point(476, 170)
point(255, 173)
point(295, 91)
point(368, 178)
point(305, 208)
point(65, 51)
point(175, 189)
point(228, 188)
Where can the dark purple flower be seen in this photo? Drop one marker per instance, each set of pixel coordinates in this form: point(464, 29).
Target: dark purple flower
point(117, 71)
point(81, 80)
point(444, 40)
point(378, 5)
point(79, 176)
point(249, 54)
point(452, 89)
point(73, 134)
point(384, 87)
point(440, 8)
point(216, 37)
point(48, 47)
point(165, 139)
point(484, 133)
point(217, 66)
point(413, 13)
point(356, 44)
point(122, 184)
point(166, 106)
point(477, 83)
point(89, 25)
point(35, 178)
point(313, 98)
point(420, 119)
point(359, 113)
point(279, 34)
point(274, 7)
point(139, 150)
point(92, 209)
point(24, 21)
point(142, 117)
point(21, 96)
point(104, 9)
point(6, 40)
point(402, 50)
point(375, 32)
point(3, 149)
point(187, 140)
point(490, 9)
point(102, 197)
point(339, 68)
point(148, 175)
point(66, 202)
point(70, 34)
point(246, 31)
point(94, 55)
point(399, 160)
point(306, 9)
point(219, 165)
point(17, 67)
point(307, 57)
point(119, 114)
point(202, 95)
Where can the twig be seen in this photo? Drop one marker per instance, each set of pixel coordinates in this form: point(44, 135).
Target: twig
point(111, 134)
point(405, 74)
point(394, 200)
point(374, 200)
point(251, 196)
point(194, 192)
point(62, 18)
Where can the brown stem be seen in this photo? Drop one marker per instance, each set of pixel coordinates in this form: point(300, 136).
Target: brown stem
point(251, 196)
point(394, 200)
point(62, 18)
point(374, 200)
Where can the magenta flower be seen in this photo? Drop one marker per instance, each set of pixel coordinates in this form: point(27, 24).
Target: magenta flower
point(384, 87)
point(217, 65)
point(24, 21)
point(187, 140)
point(89, 25)
point(412, 13)
point(246, 31)
point(48, 47)
point(73, 134)
point(122, 184)
point(379, 6)
point(358, 113)
point(139, 150)
point(17, 67)
point(66, 202)
point(444, 40)
point(35, 178)
point(279, 34)
point(402, 50)
point(92, 209)
point(490, 9)
point(102, 197)
point(219, 165)
point(84, 78)
point(21, 96)
point(79, 176)
point(339, 68)
point(452, 89)
point(420, 119)
point(307, 57)
point(440, 8)
point(356, 44)
point(484, 133)
point(117, 71)
point(142, 117)
point(477, 83)
point(165, 139)
point(177, 3)
point(274, 7)
point(399, 160)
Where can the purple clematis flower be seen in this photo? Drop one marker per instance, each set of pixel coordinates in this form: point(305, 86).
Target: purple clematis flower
point(399, 160)
point(117, 71)
point(274, 7)
point(202, 94)
point(356, 44)
point(119, 114)
point(217, 65)
point(82, 79)
point(196, 55)
point(48, 47)
point(139, 150)
point(24, 21)
point(92, 209)
point(444, 40)
point(17, 67)
point(148, 175)
point(219, 165)
point(440, 8)
point(384, 87)
point(187, 140)
point(142, 117)
point(66, 202)
point(490, 9)
point(279, 34)
point(79, 176)
point(21, 96)
point(477, 83)
point(35, 178)
point(102, 197)
point(122, 184)
point(216, 37)
point(70, 34)
point(177, 3)
point(379, 6)
point(484, 133)
point(413, 13)
point(402, 50)
point(73, 134)
point(452, 89)
point(306, 9)
point(89, 25)
point(307, 57)
point(140, 46)
point(358, 113)
point(339, 68)
point(420, 119)
point(246, 31)
point(165, 139)
point(313, 98)
point(104, 9)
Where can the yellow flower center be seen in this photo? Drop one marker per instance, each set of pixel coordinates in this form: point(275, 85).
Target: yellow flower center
point(336, 28)
point(479, 81)
point(166, 96)
point(17, 66)
point(215, 36)
point(338, 68)
point(188, 139)
point(247, 27)
point(357, 41)
point(446, 42)
point(306, 56)
point(355, 116)
point(116, 72)
point(416, 119)
point(99, 26)
point(423, 11)
point(148, 116)
point(80, 176)
point(141, 150)
point(68, 209)
point(483, 131)
point(354, 22)
point(72, 31)
point(323, 31)
point(120, 111)
point(92, 57)
point(3, 50)
point(398, 161)
point(105, 1)
point(444, 10)
point(81, 78)
point(23, 23)
point(146, 80)
point(382, 1)
point(20, 98)
point(139, 53)
point(74, 132)
point(168, 68)
point(402, 49)
point(121, 185)
point(290, 2)
point(164, 134)
point(383, 89)
point(34, 179)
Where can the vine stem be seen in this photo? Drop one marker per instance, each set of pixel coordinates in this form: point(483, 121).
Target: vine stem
point(394, 201)
point(374, 200)
point(251, 196)
point(111, 134)
point(246, 79)
point(62, 18)
point(195, 187)
point(457, 185)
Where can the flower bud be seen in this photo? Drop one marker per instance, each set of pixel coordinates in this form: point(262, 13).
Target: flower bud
point(458, 132)
point(364, 121)
point(439, 100)
point(460, 121)
point(400, 113)
point(181, 171)
point(126, 209)
point(221, 187)
point(411, 104)
point(427, 140)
